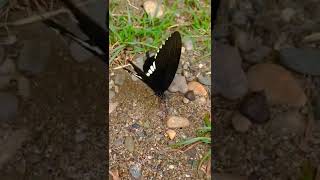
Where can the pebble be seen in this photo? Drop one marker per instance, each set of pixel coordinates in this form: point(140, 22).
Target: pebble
point(171, 134)
point(302, 60)
point(8, 67)
point(31, 59)
point(24, 87)
point(135, 171)
point(188, 44)
point(197, 88)
point(279, 85)
point(129, 143)
point(119, 79)
point(244, 41)
point(228, 77)
point(79, 53)
point(112, 106)
point(177, 122)
point(185, 100)
point(313, 37)
point(9, 106)
point(240, 123)
point(287, 122)
point(116, 89)
point(205, 79)
point(111, 94)
point(190, 95)
point(258, 55)
point(255, 107)
point(151, 8)
point(139, 60)
point(179, 84)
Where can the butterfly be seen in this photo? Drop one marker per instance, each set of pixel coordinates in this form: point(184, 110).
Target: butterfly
point(97, 42)
point(159, 70)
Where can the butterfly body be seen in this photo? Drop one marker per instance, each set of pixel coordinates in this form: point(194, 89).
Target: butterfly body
point(159, 70)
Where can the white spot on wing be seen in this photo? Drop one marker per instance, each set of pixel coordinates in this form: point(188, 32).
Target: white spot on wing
point(154, 65)
point(148, 74)
point(151, 67)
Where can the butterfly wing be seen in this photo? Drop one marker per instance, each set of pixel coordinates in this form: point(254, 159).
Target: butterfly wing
point(163, 66)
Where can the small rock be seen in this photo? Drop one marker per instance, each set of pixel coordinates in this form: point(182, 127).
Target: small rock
point(119, 79)
point(279, 85)
point(185, 100)
point(153, 9)
point(171, 133)
point(188, 44)
point(314, 37)
point(31, 59)
point(179, 84)
point(139, 60)
point(258, 55)
point(244, 41)
point(129, 143)
point(24, 87)
point(118, 142)
point(206, 80)
point(255, 107)
point(116, 89)
point(8, 67)
point(177, 122)
point(197, 88)
point(79, 53)
point(112, 107)
point(287, 14)
point(229, 79)
point(171, 166)
point(135, 171)
point(240, 123)
point(9, 106)
point(111, 94)
point(287, 122)
point(190, 95)
point(304, 60)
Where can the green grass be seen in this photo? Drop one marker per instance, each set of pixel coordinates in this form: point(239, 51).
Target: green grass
point(202, 136)
point(134, 30)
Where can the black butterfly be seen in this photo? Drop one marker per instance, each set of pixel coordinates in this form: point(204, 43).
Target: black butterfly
point(97, 43)
point(159, 70)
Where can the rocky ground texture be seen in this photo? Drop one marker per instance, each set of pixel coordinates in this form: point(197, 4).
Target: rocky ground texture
point(52, 115)
point(266, 90)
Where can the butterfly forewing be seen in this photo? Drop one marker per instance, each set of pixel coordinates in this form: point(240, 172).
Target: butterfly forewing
point(159, 70)
point(167, 61)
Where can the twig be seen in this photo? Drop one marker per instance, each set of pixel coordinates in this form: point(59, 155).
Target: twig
point(132, 5)
point(35, 18)
point(120, 67)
